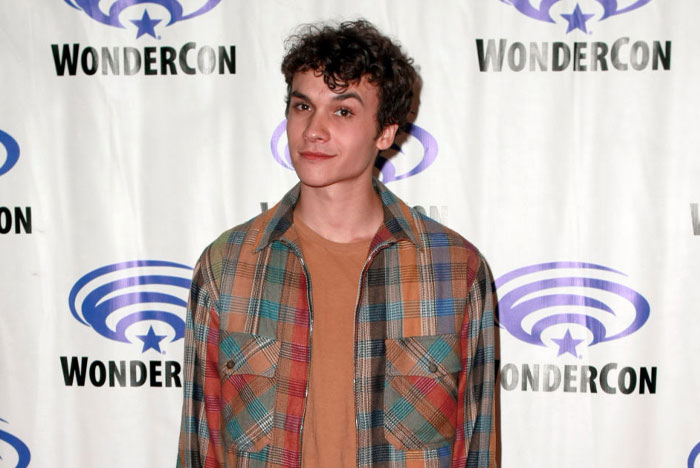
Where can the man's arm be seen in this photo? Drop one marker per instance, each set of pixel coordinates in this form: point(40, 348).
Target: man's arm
point(200, 438)
point(476, 422)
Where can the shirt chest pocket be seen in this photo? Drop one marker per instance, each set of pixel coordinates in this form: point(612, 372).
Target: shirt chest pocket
point(420, 391)
point(247, 368)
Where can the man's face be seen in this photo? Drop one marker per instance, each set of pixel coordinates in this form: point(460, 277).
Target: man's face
point(333, 135)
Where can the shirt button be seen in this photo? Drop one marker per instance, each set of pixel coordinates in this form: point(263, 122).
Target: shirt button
point(432, 367)
point(230, 364)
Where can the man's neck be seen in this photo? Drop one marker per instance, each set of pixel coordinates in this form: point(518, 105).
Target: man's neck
point(341, 213)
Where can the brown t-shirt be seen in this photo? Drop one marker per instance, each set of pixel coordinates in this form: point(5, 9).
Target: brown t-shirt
point(328, 438)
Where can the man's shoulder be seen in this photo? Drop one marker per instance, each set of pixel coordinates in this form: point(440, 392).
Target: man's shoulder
point(435, 235)
point(232, 245)
point(424, 231)
point(445, 246)
point(243, 234)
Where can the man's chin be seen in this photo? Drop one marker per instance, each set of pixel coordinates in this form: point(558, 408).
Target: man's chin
point(317, 182)
point(313, 176)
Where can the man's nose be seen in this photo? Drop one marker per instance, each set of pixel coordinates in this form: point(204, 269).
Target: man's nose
point(316, 128)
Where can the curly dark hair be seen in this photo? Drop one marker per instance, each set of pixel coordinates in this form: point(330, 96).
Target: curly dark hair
point(345, 53)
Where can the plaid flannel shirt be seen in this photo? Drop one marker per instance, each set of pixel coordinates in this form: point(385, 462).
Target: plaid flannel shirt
point(424, 347)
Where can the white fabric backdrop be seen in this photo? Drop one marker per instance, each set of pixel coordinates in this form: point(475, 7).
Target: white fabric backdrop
point(590, 167)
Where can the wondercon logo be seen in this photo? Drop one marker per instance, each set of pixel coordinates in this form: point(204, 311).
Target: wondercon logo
point(140, 302)
point(553, 11)
point(426, 154)
point(167, 12)
point(694, 454)
point(10, 148)
point(569, 304)
point(18, 456)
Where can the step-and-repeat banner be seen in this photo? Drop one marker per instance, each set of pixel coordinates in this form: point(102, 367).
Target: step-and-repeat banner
point(559, 136)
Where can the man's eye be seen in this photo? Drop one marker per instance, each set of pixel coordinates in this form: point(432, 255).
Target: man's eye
point(343, 112)
point(302, 106)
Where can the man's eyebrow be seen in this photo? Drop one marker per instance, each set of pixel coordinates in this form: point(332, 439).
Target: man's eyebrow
point(337, 97)
point(350, 95)
point(299, 95)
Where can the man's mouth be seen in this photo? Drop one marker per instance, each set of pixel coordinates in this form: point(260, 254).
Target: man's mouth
point(315, 155)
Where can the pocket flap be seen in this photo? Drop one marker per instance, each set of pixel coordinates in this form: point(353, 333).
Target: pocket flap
point(429, 356)
point(243, 353)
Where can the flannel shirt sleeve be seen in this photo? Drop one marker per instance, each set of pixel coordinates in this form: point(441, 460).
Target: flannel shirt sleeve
point(200, 438)
point(475, 440)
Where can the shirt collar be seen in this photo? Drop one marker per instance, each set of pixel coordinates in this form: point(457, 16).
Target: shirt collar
point(398, 220)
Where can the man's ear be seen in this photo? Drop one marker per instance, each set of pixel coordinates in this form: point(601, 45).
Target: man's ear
point(386, 136)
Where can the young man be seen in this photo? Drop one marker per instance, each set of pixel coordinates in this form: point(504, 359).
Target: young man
point(340, 328)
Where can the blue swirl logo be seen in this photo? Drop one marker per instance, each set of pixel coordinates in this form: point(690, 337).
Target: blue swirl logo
point(578, 17)
point(9, 146)
point(172, 10)
point(119, 301)
point(387, 170)
point(568, 304)
point(694, 456)
point(21, 450)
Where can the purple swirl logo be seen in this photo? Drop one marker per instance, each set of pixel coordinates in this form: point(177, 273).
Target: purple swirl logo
point(387, 170)
point(125, 301)
point(568, 304)
point(9, 146)
point(170, 10)
point(578, 17)
point(21, 456)
point(694, 456)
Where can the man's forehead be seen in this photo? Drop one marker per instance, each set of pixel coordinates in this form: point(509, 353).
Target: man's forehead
point(338, 86)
